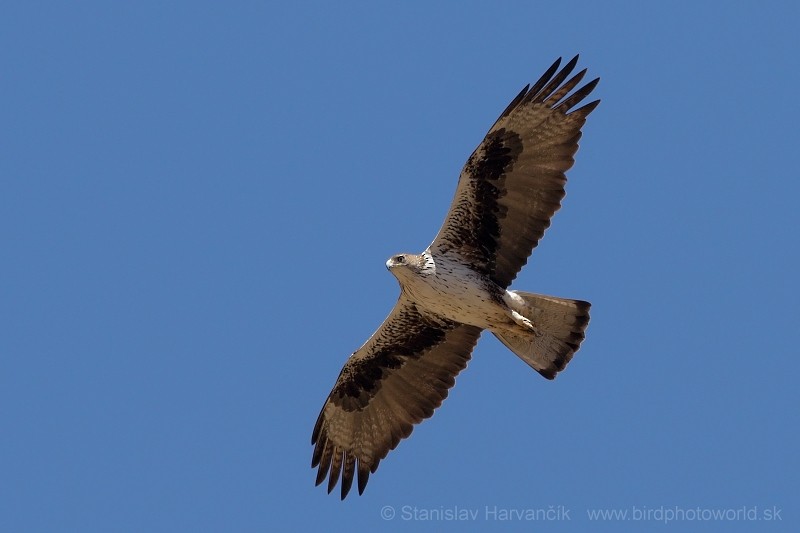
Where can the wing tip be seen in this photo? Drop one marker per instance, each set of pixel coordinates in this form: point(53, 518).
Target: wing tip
point(588, 108)
point(551, 89)
point(340, 467)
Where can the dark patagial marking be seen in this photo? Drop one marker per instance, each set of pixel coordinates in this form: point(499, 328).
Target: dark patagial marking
point(360, 380)
point(487, 169)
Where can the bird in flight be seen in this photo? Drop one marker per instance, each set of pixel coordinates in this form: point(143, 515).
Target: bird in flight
point(507, 192)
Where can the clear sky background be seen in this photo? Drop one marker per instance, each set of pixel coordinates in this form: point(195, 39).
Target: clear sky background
point(197, 200)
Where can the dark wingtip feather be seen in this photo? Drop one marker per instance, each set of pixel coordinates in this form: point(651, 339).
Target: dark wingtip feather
point(336, 468)
point(347, 482)
point(588, 108)
point(514, 103)
point(565, 89)
point(347, 474)
point(572, 62)
point(324, 463)
point(578, 96)
point(316, 456)
point(317, 426)
point(320, 478)
point(557, 80)
point(363, 476)
point(548, 74)
point(541, 82)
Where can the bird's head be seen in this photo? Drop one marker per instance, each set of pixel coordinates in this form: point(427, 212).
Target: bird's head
point(401, 261)
point(405, 264)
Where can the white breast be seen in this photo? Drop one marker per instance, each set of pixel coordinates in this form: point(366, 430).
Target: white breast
point(457, 292)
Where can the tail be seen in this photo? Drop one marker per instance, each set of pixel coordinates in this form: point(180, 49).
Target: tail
point(559, 330)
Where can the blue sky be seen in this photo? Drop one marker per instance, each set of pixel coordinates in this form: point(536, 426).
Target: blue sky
point(197, 200)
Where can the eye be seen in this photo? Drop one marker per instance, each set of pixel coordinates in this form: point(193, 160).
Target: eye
point(400, 258)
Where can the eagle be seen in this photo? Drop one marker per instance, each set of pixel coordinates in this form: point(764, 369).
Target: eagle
point(507, 192)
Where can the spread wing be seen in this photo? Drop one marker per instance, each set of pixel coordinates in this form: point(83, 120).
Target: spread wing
point(394, 381)
point(513, 182)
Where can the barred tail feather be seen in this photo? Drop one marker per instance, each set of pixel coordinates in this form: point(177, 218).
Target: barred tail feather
point(559, 330)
